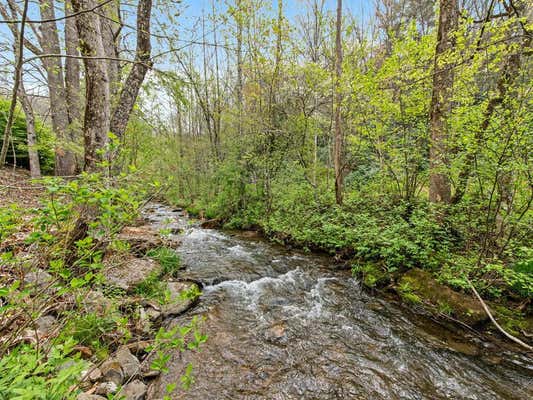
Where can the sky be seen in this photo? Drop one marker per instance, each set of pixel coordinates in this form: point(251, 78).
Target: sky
point(193, 8)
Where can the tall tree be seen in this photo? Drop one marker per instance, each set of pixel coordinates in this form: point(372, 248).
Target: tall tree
point(19, 47)
point(72, 71)
point(142, 64)
point(97, 97)
point(440, 108)
point(337, 149)
point(49, 40)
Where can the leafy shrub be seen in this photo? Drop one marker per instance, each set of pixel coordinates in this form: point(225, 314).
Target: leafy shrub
point(27, 373)
point(167, 258)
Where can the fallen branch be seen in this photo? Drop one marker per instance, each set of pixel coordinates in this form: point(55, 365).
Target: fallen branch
point(486, 308)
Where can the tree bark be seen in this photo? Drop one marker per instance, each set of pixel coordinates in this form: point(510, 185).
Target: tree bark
point(439, 181)
point(65, 156)
point(239, 20)
point(130, 90)
point(19, 52)
point(31, 136)
point(97, 105)
point(110, 30)
point(337, 156)
point(72, 70)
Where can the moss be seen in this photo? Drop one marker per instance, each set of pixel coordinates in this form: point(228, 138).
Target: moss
point(371, 275)
point(417, 284)
point(512, 321)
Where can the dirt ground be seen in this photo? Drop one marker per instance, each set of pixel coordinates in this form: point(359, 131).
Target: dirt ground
point(16, 187)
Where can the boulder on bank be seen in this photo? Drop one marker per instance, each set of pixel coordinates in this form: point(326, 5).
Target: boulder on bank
point(126, 271)
point(421, 285)
point(141, 239)
point(183, 296)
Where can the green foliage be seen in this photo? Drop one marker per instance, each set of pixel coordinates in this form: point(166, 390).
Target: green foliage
point(153, 287)
point(27, 373)
point(167, 258)
point(407, 293)
point(372, 276)
point(9, 220)
point(45, 139)
point(91, 329)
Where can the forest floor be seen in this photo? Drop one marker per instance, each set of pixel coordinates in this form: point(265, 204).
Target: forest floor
point(16, 187)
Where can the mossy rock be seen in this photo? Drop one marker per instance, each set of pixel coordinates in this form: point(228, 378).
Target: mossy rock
point(419, 286)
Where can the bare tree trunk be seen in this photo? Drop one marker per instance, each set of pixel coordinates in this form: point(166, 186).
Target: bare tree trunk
point(439, 181)
point(18, 79)
point(337, 156)
point(239, 18)
point(65, 157)
point(31, 136)
point(97, 105)
point(72, 70)
point(274, 84)
point(130, 90)
point(110, 31)
point(217, 106)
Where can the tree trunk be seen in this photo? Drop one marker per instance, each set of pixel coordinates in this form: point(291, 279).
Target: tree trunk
point(97, 106)
point(239, 18)
point(19, 52)
point(31, 136)
point(65, 157)
point(337, 156)
point(130, 90)
point(110, 30)
point(72, 70)
point(439, 181)
point(510, 71)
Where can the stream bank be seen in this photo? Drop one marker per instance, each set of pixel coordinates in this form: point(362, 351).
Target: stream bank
point(283, 324)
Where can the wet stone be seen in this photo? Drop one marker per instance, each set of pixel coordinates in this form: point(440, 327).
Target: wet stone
point(179, 302)
point(135, 390)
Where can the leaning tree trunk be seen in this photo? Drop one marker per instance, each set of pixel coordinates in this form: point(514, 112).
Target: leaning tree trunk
point(439, 181)
point(97, 107)
point(65, 156)
point(130, 90)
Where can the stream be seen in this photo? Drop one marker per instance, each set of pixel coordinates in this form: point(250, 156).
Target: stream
point(283, 324)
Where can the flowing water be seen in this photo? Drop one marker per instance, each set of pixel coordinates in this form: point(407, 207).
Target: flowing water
point(287, 325)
